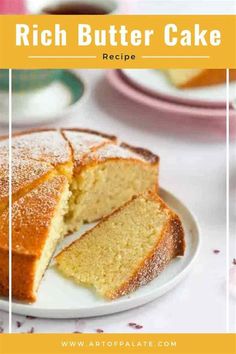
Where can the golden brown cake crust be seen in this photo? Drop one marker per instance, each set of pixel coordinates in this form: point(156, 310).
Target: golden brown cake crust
point(31, 217)
point(121, 152)
point(26, 175)
point(145, 153)
point(27, 132)
point(23, 273)
point(170, 245)
point(29, 234)
point(210, 77)
point(81, 130)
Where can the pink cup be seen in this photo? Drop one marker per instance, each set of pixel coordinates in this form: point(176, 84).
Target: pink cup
point(16, 7)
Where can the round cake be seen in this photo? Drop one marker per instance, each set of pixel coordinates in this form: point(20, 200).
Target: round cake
point(62, 179)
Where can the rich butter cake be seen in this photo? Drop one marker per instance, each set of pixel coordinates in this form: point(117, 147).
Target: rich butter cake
point(60, 180)
point(126, 249)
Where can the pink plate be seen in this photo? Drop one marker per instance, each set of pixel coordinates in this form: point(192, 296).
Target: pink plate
point(162, 106)
point(155, 83)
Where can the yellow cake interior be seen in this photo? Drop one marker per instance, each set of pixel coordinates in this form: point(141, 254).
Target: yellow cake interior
point(99, 189)
point(106, 256)
point(179, 77)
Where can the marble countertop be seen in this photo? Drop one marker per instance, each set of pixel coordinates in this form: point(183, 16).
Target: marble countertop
point(193, 160)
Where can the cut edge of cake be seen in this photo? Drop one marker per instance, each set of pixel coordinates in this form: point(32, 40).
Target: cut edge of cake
point(110, 171)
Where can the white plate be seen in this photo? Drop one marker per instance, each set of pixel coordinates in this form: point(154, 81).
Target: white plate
point(156, 82)
point(39, 106)
point(61, 298)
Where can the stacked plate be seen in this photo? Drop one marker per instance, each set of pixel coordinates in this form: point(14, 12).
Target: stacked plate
point(152, 88)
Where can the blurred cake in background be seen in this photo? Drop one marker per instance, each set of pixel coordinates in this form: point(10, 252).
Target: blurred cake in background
point(185, 78)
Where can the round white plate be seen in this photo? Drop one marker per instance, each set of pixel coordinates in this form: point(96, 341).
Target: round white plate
point(59, 297)
point(156, 82)
point(40, 106)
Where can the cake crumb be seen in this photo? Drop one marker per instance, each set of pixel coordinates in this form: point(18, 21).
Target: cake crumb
point(99, 330)
point(31, 330)
point(18, 324)
point(132, 324)
point(138, 327)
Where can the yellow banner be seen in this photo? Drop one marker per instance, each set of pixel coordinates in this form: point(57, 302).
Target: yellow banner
point(118, 343)
point(118, 41)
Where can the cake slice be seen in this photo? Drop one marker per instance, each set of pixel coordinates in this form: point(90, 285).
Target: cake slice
point(186, 78)
point(108, 177)
point(126, 249)
point(37, 227)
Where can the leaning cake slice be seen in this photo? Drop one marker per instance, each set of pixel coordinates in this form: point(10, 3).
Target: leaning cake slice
point(125, 250)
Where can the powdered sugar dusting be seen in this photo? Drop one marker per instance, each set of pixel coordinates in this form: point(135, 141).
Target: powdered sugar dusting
point(48, 146)
point(4, 156)
point(24, 172)
point(114, 151)
point(82, 143)
point(30, 226)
